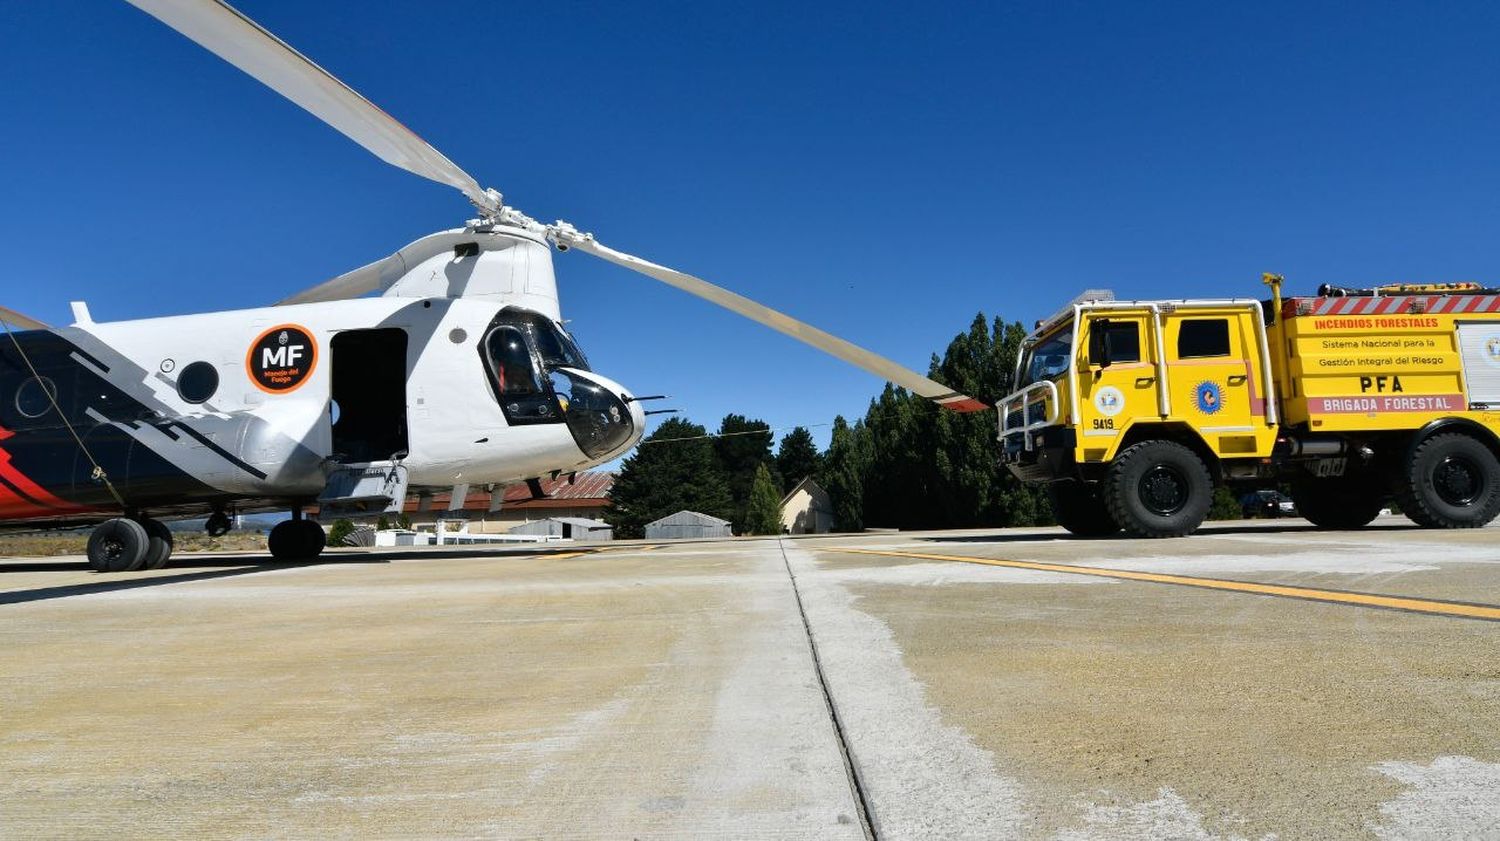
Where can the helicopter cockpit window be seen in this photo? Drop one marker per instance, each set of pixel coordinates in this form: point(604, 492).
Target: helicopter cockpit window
point(515, 372)
point(557, 348)
point(524, 395)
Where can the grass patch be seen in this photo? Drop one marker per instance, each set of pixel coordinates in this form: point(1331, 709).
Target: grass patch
point(52, 544)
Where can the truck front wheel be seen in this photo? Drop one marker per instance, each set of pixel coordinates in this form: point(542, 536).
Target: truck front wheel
point(1348, 502)
point(1452, 482)
point(1079, 509)
point(1158, 489)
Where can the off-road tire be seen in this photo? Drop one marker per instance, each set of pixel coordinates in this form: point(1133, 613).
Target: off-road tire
point(118, 545)
point(1452, 481)
point(1349, 502)
point(1079, 508)
point(1158, 489)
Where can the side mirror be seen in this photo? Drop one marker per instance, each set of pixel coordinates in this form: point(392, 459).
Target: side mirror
point(1099, 343)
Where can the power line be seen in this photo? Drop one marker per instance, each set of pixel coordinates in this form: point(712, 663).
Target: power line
point(732, 434)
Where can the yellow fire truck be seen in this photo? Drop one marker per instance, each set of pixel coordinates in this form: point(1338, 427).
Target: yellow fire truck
point(1133, 411)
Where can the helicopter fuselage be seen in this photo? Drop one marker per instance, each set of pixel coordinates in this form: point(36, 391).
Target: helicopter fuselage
point(255, 409)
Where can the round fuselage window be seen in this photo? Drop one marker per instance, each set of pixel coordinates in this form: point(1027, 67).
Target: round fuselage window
point(35, 397)
point(198, 382)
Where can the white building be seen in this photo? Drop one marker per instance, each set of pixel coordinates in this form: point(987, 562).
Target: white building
point(807, 509)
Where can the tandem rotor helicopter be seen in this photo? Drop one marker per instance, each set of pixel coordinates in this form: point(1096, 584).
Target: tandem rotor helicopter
point(456, 372)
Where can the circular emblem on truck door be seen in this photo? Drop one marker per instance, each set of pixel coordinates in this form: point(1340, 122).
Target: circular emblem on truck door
point(1110, 401)
point(282, 359)
point(1492, 350)
point(1208, 397)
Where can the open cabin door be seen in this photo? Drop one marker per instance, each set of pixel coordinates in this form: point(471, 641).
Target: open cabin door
point(369, 395)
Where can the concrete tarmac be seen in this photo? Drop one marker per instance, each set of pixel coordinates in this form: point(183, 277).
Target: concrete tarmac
point(1254, 681)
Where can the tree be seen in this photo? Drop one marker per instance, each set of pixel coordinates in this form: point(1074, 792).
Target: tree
point(340, 529)
point(798, 458)
point(742, 445)
point(763, 515)
point(666, 475)
point(930, 468)
point(843, 474)
point(382, 524)
point(1224, 505)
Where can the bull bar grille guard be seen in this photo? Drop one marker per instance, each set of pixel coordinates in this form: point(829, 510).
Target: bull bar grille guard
point(1044, 392)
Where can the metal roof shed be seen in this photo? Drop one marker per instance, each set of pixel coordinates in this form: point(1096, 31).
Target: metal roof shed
point(568, 528)
point(687, 524)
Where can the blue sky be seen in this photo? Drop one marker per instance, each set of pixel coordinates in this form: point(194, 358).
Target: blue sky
point(882, 170)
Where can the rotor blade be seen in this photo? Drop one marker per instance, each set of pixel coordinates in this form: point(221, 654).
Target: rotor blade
point(12, 318)
point(826, 342)
point(219, 28)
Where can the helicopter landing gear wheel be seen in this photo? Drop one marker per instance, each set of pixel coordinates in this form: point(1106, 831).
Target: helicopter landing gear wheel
point(158, 544)
point(118, 545)
point(296, 540)
point(218, 524)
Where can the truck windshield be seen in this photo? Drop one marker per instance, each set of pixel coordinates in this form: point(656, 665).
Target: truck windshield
point(1050, 358)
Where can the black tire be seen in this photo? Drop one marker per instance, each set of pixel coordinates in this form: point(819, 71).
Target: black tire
point(1079, 509)
point(1158, 489)
point(1348, 502)
point(317, 539)
point(296, 540)
point(1452, 481)
point(159, 544)
point(118, 545)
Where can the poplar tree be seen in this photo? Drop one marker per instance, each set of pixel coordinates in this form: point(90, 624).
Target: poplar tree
point(843, 474)
point(763, 515)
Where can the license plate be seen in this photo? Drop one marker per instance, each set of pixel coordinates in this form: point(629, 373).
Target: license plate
point(1327, 467)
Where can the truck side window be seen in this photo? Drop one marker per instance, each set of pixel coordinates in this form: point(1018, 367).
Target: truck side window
point(1199, 337)
point(1121, 341)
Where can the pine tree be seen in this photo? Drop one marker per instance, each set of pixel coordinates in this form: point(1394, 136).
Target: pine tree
point(665, 476)
point(743, 444)
point(798, 458)
point(930, 468)
point(763, 515)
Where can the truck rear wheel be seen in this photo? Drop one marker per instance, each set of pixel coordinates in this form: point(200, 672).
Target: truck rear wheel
point(1158, 489)
point(1079, 508)
point(1348, 502)
point(1451, 482)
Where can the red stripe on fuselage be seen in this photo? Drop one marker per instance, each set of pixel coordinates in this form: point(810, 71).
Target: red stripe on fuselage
point(23, 499)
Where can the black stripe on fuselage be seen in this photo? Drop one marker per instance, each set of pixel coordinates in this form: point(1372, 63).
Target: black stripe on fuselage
point(225, 454)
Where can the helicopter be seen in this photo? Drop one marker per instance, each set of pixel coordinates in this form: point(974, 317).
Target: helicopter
point(443, 366)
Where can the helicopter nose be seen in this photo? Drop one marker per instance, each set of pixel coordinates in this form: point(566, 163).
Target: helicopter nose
point(604, 418)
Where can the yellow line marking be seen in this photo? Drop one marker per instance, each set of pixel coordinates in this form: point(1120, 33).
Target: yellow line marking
point(564, 556)
point(1430, 606)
